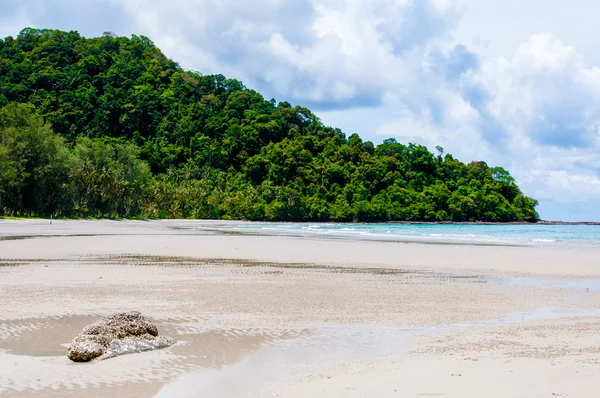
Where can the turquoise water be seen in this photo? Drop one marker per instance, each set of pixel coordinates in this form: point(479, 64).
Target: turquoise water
point(494, 234)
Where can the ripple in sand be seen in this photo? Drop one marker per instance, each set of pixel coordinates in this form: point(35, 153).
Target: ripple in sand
point(203, 363)
point(35, 349)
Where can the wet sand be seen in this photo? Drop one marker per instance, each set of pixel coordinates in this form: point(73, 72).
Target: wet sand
point(283, 316)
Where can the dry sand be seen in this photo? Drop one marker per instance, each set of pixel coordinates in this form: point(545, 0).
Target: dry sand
point(272, 316)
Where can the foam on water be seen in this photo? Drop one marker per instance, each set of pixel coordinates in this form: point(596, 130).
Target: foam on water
point(493, 234)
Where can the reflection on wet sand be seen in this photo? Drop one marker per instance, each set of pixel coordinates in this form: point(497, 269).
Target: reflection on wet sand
point(46, 339)
point(202, 361)
point(330, 314)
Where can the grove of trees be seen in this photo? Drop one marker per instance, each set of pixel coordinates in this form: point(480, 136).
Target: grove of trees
point(110, 127)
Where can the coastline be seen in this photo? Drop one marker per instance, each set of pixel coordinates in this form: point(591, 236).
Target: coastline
point(369, 232)
point(539, 222)
point(333, 313)
point(333, 231)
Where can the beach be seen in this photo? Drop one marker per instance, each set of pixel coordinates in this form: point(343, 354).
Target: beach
point(288, 316)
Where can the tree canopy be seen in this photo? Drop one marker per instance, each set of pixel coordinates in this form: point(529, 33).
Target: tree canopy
point(109, 126)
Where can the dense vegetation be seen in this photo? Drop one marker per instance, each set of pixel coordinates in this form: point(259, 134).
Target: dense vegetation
point(109, 126)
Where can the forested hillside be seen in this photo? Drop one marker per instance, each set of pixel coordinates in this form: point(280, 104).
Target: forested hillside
point(110, 127)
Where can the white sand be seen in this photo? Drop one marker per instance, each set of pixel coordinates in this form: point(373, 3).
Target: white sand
point(99, 267)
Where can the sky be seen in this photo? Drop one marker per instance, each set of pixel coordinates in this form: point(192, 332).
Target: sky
point(513, 83)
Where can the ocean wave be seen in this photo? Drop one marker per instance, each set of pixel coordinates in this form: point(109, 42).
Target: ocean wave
point(545, 235)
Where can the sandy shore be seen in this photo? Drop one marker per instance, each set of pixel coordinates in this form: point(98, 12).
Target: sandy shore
point(291, 317)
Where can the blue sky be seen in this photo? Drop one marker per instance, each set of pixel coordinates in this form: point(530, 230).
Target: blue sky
point(512, 83)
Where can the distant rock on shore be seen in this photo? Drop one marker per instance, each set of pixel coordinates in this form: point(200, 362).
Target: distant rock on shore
point(118, 334)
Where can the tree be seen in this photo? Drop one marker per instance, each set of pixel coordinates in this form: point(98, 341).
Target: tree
point(114, 128)
point(33, 160)
point(108, 178)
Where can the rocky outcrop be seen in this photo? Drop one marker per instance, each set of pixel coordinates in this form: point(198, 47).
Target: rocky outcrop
point(119, 334)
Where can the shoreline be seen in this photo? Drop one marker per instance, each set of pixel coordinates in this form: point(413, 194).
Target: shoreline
point(183, 238)
point(341, 317)
point(539, 222)
point(215, 227)
point(244, 228)
point(424, 241)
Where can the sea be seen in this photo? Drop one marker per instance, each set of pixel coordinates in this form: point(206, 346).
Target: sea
point(482, 234)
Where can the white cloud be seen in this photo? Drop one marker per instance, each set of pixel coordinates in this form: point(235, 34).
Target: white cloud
point(323, 53)
point(545, 98)
point(399, 56)
point(560, 184)
point(546, 90)
point(455, 130)
point(487, 80)
point(494, 28)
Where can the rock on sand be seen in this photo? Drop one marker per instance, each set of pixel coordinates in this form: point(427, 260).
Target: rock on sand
point(119, 334)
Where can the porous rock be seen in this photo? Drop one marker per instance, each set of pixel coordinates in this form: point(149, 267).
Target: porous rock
point(118, 334)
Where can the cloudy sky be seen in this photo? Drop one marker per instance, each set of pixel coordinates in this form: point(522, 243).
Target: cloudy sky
point(513, 83)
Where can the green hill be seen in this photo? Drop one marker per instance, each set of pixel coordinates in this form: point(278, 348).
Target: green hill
point(109, 126)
